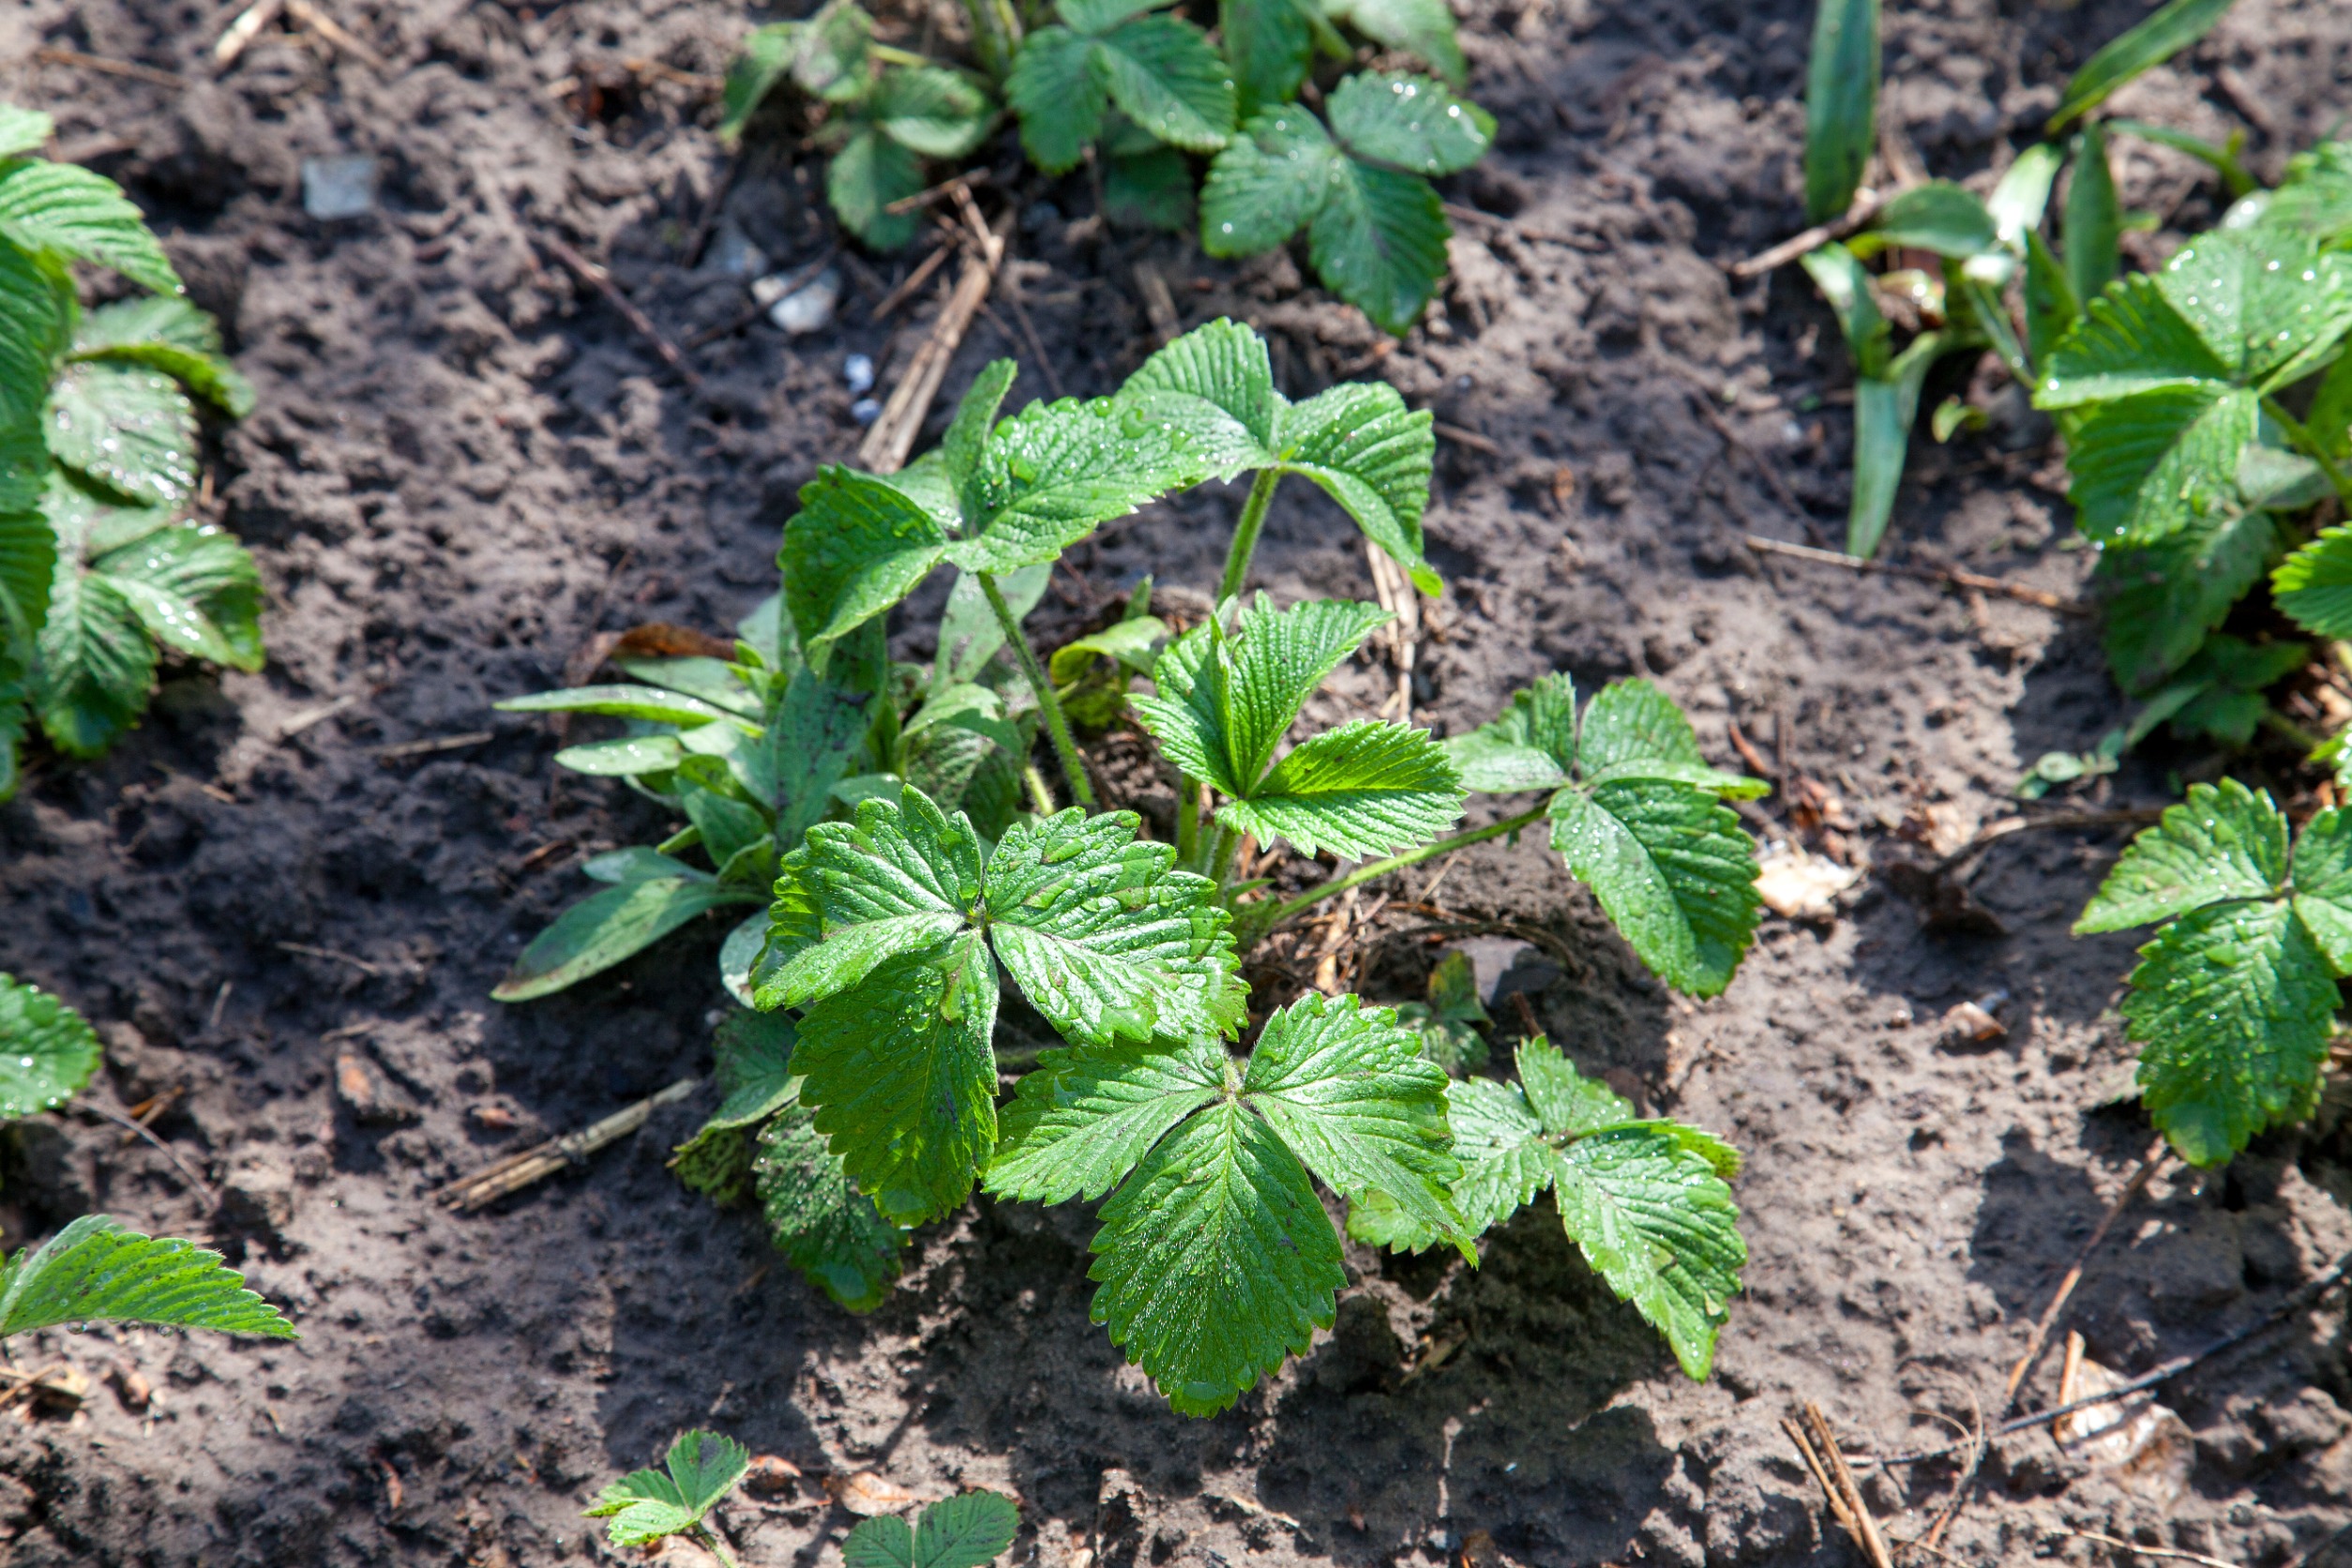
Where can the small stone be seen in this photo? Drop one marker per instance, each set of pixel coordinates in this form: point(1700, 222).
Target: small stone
point(857, 373)
point(807, 309)
point(733, 254)
point(866, 1494)
point(1796, 884)
point(340, 186)
point(866, 410)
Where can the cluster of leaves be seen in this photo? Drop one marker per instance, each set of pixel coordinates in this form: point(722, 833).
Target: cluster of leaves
point(906, 889)
point(702, 1468)
point(95, 1271)
point(1139, 91)
point(2234, 1000)
point(97, 458)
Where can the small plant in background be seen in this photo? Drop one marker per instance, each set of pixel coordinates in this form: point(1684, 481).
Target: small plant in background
point(1134, 92)
point(697, 1475)
point(963, 1532)
point(98, 463)
point(907, 892)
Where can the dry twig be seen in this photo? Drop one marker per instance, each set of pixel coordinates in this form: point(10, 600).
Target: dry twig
point(330, 955)
point(1814, 238)
point(942, 191)
point(2121, 817)
point(590, 273)
point(517, 1171)
point(886, 446)
point(1950, 577)
point(307, 15)
point(2158, 1153)
point(1837, 1484)
point(915, 279)
point(2137, 1550)
point(100, 63)
point(243, 31)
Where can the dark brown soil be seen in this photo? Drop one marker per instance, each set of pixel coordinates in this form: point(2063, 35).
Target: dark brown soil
point(464, 465)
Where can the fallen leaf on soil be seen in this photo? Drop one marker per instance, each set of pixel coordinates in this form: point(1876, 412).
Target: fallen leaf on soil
point(1796, 884)
point(495, 1118)
point(1974, 1020)
point(2142, 1444)
point(867, 1494)
point(771, 1476)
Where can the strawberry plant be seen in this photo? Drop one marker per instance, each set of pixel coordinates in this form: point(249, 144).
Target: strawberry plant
point(99, 463)
point(2234, 999)
point(963, 1532)
point(697, 1475)
point(927, 875)
point(1648, 1202)
point(1134, 91)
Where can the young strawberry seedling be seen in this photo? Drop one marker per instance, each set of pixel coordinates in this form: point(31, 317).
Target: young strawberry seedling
point(1132, 91)
point(99, 463)
point(963, 1532)
point(697, 1475)
point(901, 908)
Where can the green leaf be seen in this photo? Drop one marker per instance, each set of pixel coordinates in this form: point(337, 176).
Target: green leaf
point(937, 113)
point(1048, 475)
point(2168, 595)
point(1270, 43)
point(606, 927)
point(857, 546)
point(1409, 123)
point(2092, 226)
point(28, 565)
point(897, 879)
point(1631, 730)
point(966, 437)
point(130, 428)
point(1421, 27)
point(1672, 868)
point(1531, 745)
point(1055, 90)
point(1936, 216)
point(23, 130)
point(1267, 182)
point(700, 1469)
point(622, 758)
point(95, 1271)
point(1378, 242)
point(1840, 104)
point(1165, 76)
point(870, 173)
point(2155, 39)
point(1215, 1260)
point(2052, 307)
point(1565, 1101)
point(969, 633)
point(1130, 644)
point(963, 1532)
point(766, 57)
point(95, 663)
point(1365, 789)
point(1371, 454)
point(818, 1219)
point(1083, 1119)
point(66, 211)
point(1505, 1163)
point(1655, 1220)
point(755, 1055)
point(1105, 937)
point(195, 589)
point(1349, 1093)
point(833, 60)
point(1846, 285)
point(2130, 339)
point(899, 1072)
point(1215, 383)
point(639, 863)
point(2151, 464)
point(2323, 885)
point(2314, 584)
point(2232, 1005)
point(2021, 196)
point(1453, 992)
point(1884, 412)
point(47, 1051)
point(2223, 842)
point(651, 703)
point(169, 335)
point(1149, 190)
point(37, 309)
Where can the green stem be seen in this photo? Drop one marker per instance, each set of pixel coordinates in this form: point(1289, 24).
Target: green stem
point(889, 56)
point(2310, 445)
point(708, 1537)
point(1245, 532)
point(1038, 794)
point(1220, 865)
point(2278, 723)
point(1073, 764)
point(1372, 869)
point(1187, 819)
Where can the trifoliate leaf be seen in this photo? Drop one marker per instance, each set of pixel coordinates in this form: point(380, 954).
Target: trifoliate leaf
point(2223, 842)
point(1505, 1163)
point(2314, 584)
point(68, 211)
point(1215, 1260)
point(2166, 596)
point(1048, 475)
point(47, 1051)
point(1409, 123)
point(95, 663)
point(1371, 454)
point(870, 173)
point(168, 334)
point(1267, 182)
point(1531, 745)
point(23, 130)
point(1655, 1220)
point(1631, 730)
point(1378, 242)
point(856, 547)
point(900, 877)
point(1162, 74)
point(1422, 27)
point(1671, 866)
point(195, 589)
point(605, 927)
point(2232, 1005)
point(1349, 1095)
point(939, 113)
point(1082, 1119)
point(2323, 885)
point(1566, 1102)
point(2149, 466)
point(1365, 789)
point(901, 1076)
point(1105, 937)
point(96, 1270)
point(700, 1470)
point(963, 1532)
point(130, 428)
point(824, 1227)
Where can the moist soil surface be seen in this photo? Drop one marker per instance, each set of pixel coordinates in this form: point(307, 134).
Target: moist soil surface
point(466, 464)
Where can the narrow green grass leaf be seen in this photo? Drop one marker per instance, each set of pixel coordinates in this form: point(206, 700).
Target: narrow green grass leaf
point(96, 1270)
point(2223, 842)
point(606, 927)
point(2155, 39)
point(1840, 104)
point(47, 1051)
point(2092, 226)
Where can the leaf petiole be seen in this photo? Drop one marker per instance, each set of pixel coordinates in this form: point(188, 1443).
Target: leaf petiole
point(1371, 870)
point(1245, 532)
point(1073, 764)
point(1187, 819)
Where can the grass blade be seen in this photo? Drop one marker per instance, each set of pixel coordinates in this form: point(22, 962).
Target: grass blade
point(1840, 104)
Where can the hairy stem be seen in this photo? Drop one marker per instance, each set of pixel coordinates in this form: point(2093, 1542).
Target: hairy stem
point(1245, 532)
point(1187, 819)
point(708, 1537)
point(1073, 764)
point(2310, 445)
point(1220, 865)
point(1372, 869)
